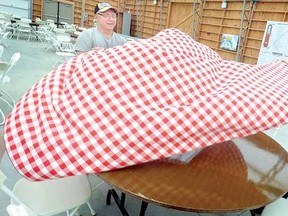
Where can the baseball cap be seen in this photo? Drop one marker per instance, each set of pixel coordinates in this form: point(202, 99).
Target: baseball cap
point(103, 6)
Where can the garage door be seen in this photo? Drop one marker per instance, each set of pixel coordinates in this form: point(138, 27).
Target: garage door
point(59, 11)
point(20, 8)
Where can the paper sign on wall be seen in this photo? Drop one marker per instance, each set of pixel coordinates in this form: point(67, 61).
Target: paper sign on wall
point(275, 42)
point(229, 42)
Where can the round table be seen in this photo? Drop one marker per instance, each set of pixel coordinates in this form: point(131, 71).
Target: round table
point(238, 175)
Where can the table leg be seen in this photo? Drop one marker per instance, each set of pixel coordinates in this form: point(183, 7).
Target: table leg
point(143, 208)
point(108, 197)
point(256, 211)
point(120, 202)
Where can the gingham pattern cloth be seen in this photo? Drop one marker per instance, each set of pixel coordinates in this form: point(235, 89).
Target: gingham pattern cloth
point(145, 100)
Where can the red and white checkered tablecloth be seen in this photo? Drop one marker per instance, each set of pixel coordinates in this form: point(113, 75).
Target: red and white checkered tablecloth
point(145, 100)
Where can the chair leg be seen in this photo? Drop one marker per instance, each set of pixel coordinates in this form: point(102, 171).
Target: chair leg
point(11, 104)
point(93, 213)
point(74, 211)
point(57, 63)
point(3, 117)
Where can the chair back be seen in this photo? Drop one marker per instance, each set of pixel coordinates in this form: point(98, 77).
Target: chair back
point(50, 21)
point(23, 26)
point(3, 178)
point(63, 37)
point(58, 30)
point(39, 20)
point(25, 20)
point(18, 207)
point(14, 59)
point(5, 36)
point(61, 195)
point(16, 17)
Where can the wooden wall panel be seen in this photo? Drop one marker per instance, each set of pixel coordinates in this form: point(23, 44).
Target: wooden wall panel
point(77, 11)
point(225, 21)
point(147, 18)
point(181, 20)
point(264, 11)
point(210, 20)
point(37, 9)
point(254, 23)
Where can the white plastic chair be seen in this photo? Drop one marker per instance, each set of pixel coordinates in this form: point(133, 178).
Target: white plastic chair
point(11, 28)
point(50, 21)
point(48, 197)
point(3, 38)
point(4, 96)
point(64, 47)
point(276, 208)
point(23, 30)
point(42, 32)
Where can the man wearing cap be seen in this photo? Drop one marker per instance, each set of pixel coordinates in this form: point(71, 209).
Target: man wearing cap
point(103, 34)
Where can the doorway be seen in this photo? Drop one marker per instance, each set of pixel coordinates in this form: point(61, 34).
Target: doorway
point(59, 11)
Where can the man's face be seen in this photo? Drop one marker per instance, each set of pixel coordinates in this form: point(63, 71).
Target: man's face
point(106, 20)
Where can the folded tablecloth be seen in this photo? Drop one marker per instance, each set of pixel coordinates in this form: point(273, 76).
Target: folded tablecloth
point(145, 100)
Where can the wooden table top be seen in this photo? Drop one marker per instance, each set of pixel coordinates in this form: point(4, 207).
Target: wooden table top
point(242, 174)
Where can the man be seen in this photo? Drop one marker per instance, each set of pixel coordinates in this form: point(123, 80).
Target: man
point(103, 34)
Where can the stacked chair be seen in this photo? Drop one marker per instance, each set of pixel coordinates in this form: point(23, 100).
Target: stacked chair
point(64, 47)
point(61, 42)
point(58, 39)
point(23, 29)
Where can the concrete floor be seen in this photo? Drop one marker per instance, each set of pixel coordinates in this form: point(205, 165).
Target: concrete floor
point(34, 64)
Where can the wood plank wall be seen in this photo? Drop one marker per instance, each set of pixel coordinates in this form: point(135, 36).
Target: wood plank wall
point(147, 18)
point(204, 20)
point(216, 21)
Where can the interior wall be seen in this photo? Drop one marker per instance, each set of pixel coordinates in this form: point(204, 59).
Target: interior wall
point(205, 20)
point(247, 19)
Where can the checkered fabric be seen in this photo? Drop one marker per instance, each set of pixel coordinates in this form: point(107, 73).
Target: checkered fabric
point(145, 100)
